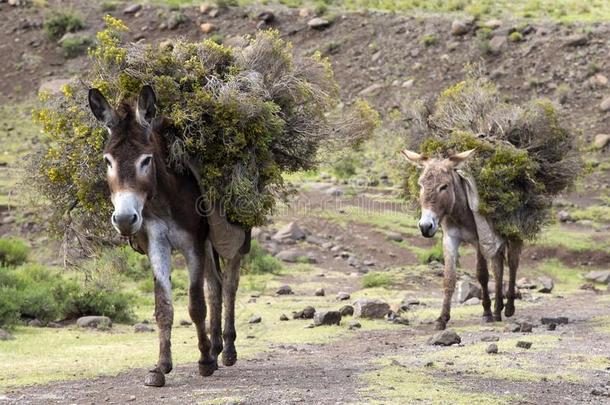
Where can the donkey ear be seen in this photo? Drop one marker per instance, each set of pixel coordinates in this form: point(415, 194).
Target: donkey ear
point(146, 108)
point(101, 109)
point(459, 159)
point(414, 158)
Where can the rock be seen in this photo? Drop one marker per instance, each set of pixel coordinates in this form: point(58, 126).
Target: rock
point(166, 44)
point(497, 44)
point(346, 310)
point(370, 308)
point(354, 325)
point(318, 23)
point(599, 80)
point(560, 320)
point(314, 240)
point(99, 322)
point(295, 255)
point(525, 327)
point(308, 312)
point(459, 28)
point(335, 191)
point(490, 338)
point(342, 296)
point(184, 322)
point(599, 276)
point(397, 319)
point(605, 104)
point(4, 335)
point(394, 237)
point(207, 28)
point(524, 345)
point(266, 16)
point(466, 290)
point(284, 290)
point(546, 284)
point(53, 87)
point(304, 12)
point(446, 337)
point(551, 326)
point(327, 318)
point(600, 392)
point(492, 24)
point(472, 301)
point(601, 141)
point(142, 328)
point(576, 40)
point(36, 323)
point(319, 292)
point(492, 349)
point(526, 283)
point(255, 319)
point(283, 317)
point(371, 89)
point(292, 231)
point(205, 8)
point(132, 8)
point(512, 327)
point(564, 216)
point(54, 325)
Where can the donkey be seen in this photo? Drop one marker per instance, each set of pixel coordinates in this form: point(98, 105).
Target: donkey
point(161, 211)
point(448, 198)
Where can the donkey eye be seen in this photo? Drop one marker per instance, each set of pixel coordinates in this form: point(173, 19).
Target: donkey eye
point(146, 161)
point(107, 161)
point(443, 187)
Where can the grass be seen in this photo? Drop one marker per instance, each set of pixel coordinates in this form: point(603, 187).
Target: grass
point(389, 219)
point(555, 236)
point(61, 23)
point(566, 279)
point(597, 213)
point(376, 279)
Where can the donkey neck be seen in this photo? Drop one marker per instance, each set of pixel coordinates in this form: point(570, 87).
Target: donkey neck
point(461, 214)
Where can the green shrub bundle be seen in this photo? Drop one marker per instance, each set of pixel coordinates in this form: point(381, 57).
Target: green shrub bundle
point(525, 154)
point(243, 116)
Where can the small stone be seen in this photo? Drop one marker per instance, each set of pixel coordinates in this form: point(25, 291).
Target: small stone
point(492, 24)
point(131, 398)
point(526, 283)
point(99, 322)
point(318, 23)
point(512, 327)
point(370, 308)
point(492, 349)
point(599, 276)
point(467, 290)
point(207, 28)
point(54, 325)
point(447, 337)
point(489, 338)
point(132, 8)
point(497, 44)
point(576, 40)
point(601, 141)
point(459, 28)
point(327, 318)
point(346, 310)
point(184, 322)
point(605, 104)
point(142, 328)
point(308, 312)
point(524, 345)
point(292, 231)
point(564, 216)
point(526, 327)
point(284, 290)
point(560, 320)
point(394, 237)
point(205, 8)
point(342, 296)
point(283, 317)
point(36, 323)
point(166, 45)
point(354, 325)
point(304, 12)
point(320, 292)
point(546, 284)
point(551, 326)
point(255, 319)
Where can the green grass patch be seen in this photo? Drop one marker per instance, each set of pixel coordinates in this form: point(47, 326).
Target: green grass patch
point(386, 219)
point(62, 22)
point(13, 252)
point(376, 279)
point(597, 213)
point(555, 236)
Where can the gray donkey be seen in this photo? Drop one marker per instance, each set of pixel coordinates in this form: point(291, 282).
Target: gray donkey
point(161, 211)
point(448, 198)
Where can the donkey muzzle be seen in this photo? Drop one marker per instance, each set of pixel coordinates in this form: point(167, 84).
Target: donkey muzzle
point(428, 224)
point(127, 216)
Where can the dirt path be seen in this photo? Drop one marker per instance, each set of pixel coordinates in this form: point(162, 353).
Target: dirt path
point(340, 372)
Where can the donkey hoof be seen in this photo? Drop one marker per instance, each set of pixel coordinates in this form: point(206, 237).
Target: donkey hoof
point(154, 378)
point(498, 317)
point(229, 358)
point(488, 318)
point(207, 368)
point(509, 310)
point(440, 325)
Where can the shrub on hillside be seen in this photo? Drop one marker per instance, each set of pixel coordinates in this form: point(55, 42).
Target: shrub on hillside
point(259, 261)
point(13, 252)
point(60, 23)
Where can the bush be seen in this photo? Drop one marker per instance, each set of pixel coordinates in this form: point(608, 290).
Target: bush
point(75, 45)
point(259, 261)
point(92, 300)
point(429, 40)
point(13, 252)
point(432, 254)
point(515, 37)
point(61, 23)
point(376, 279)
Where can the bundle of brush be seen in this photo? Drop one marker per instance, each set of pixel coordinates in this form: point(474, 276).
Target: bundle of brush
point(525, 154)
point(244, 115)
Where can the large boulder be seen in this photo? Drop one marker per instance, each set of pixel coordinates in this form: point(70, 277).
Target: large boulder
point(292, 231)
point(599, 276)
point(97, 322)
point(370, 308)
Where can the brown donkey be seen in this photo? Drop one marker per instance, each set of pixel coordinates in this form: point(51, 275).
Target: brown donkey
point(161, 211)
point(448, 198)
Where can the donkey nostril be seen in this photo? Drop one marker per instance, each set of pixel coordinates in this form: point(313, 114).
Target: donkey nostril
point(134, 218)
point(114, 218)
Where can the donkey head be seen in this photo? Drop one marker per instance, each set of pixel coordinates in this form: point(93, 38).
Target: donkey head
point(437, 194)
point(128, 155)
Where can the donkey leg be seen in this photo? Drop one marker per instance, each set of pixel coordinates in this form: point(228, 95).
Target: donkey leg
point(450, 252)
point(483, 277)
point(230, 281)
point(197, 311)
point(159, 253)
point(213, 289)
point(514, 251)
point(498, 268)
